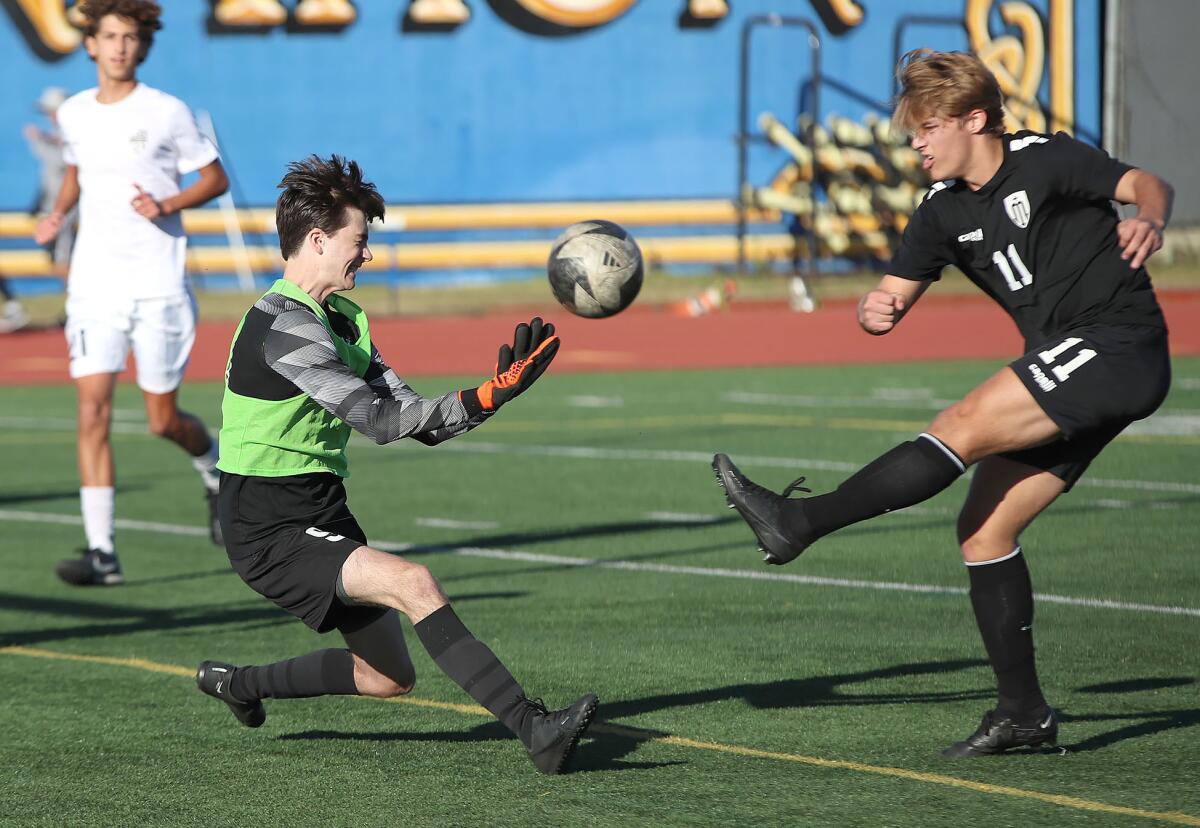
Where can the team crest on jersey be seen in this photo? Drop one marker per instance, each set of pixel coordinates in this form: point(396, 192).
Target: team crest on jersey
point(1017, 206)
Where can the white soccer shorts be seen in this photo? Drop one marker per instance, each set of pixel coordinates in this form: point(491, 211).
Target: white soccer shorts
point(161, 331)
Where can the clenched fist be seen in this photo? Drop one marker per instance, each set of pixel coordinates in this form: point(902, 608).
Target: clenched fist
point(879, 311)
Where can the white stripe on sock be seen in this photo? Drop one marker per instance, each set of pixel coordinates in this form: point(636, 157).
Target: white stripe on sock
point(945, 449)
point(1011, 554)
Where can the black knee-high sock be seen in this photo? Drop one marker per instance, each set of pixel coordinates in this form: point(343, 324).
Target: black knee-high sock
point(1002, 597)
point(320, 673)
point(906, 475)
point(475, 669)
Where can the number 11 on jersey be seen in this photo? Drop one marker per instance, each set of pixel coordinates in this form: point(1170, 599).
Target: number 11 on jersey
point(1026, 278)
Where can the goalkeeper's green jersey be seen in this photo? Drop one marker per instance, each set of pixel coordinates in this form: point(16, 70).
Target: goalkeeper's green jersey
point(301, 375)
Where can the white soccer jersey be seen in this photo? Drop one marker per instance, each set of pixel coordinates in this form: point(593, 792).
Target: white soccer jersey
point(148, 138)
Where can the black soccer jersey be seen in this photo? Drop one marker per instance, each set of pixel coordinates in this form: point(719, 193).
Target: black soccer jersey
point(1040, 238)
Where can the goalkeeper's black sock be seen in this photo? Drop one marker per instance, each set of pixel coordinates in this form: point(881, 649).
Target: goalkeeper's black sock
point(475, 669)
point(1002, 596)
point(320, 673)
point(906, 475)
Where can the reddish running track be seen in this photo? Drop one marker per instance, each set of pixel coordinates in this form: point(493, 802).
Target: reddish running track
point(747, 334)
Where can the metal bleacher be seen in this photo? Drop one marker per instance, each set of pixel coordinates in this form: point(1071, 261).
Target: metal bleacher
point(701, 227)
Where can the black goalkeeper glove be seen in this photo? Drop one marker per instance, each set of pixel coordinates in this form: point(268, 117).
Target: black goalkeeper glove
point(517, 367)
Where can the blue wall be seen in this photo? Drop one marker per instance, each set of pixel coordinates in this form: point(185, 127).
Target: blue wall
point(637, 108)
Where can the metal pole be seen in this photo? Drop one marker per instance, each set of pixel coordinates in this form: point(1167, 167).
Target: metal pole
point(743, 136)
point(1112, 132)
point(229, 215)
point(742, 139)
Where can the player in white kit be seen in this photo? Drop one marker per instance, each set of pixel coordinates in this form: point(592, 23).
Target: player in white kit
point(126, 147)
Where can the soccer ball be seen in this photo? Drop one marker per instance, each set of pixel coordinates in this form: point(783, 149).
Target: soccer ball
point(595, 268)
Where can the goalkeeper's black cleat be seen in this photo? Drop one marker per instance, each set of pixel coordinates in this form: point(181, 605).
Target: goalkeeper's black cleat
point(93, 568)
point(1000, 732)
point(214, 523)
point(555, 733)
point(213, 678)
point(779, 541)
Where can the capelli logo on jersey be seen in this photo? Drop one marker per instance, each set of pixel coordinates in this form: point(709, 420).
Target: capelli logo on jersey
point(1017, 207)
point(975, 235)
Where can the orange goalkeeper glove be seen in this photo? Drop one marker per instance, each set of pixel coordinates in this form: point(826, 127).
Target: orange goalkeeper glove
point(517, 367)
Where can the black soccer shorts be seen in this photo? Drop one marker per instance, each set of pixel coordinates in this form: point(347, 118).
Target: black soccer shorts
point(287, 537)
point(1092, 381)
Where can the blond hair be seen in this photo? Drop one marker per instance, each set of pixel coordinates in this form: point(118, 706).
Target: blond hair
point(948, 85)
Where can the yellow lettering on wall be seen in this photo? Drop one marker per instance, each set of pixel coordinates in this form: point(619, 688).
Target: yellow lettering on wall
point(325, 13)
point(258, 13)
point(848, 12)
point(1016, 62)
point(440, 12)
point(48, 19)
point(1062, 65)
point(250, 13)
point(708, 9)
point(577, 13)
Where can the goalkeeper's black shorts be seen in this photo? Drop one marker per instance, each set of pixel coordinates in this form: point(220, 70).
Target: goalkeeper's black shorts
point(287, 537)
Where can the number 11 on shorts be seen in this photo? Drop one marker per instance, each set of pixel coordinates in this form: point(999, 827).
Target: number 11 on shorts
point(1062, 372)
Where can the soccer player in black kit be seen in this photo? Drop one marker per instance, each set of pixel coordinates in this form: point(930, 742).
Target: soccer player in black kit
point(1029, 219)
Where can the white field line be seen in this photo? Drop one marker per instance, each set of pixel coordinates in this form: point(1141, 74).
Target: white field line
point(450, 523)
point(913, 402)
point(747, 461)
point(471, 446)
point(683, 518)
point(594, 401)
point(639, 566)
point(68, 424)
point(654, 455)
point(1167, 422)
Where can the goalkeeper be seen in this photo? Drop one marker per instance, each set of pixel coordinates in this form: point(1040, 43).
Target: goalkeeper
point(302, 373)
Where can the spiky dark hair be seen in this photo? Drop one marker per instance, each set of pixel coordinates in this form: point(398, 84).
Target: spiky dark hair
point(316, 193)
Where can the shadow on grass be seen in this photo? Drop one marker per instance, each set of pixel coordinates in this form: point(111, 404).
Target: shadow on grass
point(602, 749)
point(1138, 685)
point(99, 620)
point(501, 541)
point(598, 530)
point(1140, 724)
point(1144, 723)
point(608, 742)
point(810, 692)
point(14, 498)
point(181, 576)
point(587, 563)
point(106, 620)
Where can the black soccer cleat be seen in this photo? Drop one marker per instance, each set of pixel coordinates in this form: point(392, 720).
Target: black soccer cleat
point(213, 678)
point(93, 568)
point(555, 733)
point(997, 733)
point(214, 523)
point(762, 509)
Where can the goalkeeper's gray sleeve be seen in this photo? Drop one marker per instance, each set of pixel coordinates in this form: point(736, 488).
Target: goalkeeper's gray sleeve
point(380, 405)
